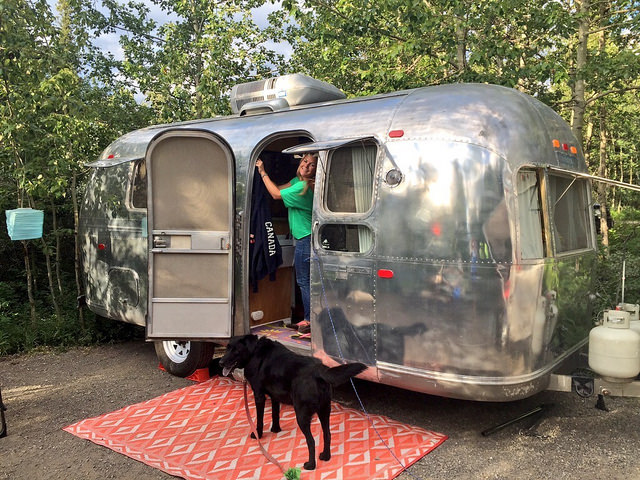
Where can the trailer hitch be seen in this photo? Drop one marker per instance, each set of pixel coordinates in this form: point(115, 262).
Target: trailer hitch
point(583, 385)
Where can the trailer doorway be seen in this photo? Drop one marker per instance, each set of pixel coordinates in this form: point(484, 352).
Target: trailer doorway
point(274, 298)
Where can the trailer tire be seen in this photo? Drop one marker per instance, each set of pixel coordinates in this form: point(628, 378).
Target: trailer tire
point(183, 357)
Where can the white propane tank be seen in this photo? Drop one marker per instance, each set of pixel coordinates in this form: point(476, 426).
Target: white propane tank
point(634, 310)
point(614, 349)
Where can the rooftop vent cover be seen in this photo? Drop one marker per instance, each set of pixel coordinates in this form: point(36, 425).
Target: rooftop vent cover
point(295, 89)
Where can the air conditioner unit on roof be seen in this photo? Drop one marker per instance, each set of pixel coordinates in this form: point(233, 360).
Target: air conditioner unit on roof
point(281, 92)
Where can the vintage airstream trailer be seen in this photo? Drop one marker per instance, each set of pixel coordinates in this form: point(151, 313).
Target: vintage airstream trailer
point(453, 234)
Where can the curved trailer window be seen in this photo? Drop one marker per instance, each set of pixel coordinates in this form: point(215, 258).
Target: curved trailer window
point(350, 179)
point(569, 213)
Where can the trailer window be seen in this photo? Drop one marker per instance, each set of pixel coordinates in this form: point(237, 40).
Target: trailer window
point(346, 238)
point(529, 211)
point(139, 187)
point(350, 179)
point(569, 207)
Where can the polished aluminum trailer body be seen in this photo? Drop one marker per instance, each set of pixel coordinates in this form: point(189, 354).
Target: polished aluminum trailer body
point(453, 244)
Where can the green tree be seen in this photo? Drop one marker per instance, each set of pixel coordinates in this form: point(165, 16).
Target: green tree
point(56, 115)
point(186, 67)
point(26, 34)
point(605, 62)
point(370, 47)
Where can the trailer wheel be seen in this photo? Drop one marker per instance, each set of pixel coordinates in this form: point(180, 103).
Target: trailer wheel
point(182, 358)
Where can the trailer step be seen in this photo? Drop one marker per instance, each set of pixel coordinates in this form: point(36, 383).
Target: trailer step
point(278, 332)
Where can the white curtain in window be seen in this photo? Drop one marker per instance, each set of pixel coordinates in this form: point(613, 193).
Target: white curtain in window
point(363, 159)
point(529, 210)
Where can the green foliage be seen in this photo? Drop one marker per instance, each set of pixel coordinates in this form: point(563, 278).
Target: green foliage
point(292, 474)
point(17, 334)
point(186, 67)
point(371, 47)
point(56, 114)
point(624, 254)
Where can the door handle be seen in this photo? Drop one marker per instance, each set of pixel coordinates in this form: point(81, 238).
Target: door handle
point(159, 242)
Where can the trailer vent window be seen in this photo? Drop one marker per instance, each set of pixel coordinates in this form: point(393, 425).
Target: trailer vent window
point(570, 213)
point(346, 238)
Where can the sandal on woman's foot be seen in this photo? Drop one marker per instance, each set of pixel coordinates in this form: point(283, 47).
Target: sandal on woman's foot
point(304, 327)
point(303, 336)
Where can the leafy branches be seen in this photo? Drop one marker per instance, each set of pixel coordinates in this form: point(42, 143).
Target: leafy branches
point(187, 68)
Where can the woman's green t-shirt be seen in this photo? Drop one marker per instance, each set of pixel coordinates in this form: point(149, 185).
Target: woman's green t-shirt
point(299, 207)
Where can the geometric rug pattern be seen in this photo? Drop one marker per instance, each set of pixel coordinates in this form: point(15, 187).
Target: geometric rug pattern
point(202, 432)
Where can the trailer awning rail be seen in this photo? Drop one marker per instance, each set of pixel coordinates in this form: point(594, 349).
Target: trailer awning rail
point(595, 178)
point(327, 145)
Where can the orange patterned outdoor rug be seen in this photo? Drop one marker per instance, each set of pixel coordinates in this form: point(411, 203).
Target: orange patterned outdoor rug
point(202, 432)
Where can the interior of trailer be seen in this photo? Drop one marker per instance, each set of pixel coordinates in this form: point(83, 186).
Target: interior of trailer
point(275, 299)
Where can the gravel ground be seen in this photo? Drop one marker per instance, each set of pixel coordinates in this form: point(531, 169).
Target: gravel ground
point(45, 392)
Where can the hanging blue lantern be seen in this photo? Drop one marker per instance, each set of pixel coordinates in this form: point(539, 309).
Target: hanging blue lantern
point(24, 223)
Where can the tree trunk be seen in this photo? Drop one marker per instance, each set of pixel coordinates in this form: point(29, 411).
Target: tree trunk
point(461, 47)
point(603, 188)
point(587, 142)
point(579, 88)
point(631, 163)
point(602, 167)
point(78, 261)
point(57, 235)
point(198, 61)
point(32, 301)
point(54, 298)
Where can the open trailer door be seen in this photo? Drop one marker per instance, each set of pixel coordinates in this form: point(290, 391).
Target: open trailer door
point(190, 188)
point(343, 265)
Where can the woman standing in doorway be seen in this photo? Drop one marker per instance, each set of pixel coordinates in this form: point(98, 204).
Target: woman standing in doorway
point(297, 196)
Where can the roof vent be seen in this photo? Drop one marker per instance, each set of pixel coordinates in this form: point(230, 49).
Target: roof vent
point(280, 93)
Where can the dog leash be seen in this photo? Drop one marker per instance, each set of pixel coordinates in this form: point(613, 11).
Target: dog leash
point(255, 432)
point(353, 385)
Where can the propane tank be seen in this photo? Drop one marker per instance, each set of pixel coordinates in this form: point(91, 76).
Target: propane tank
point(634, 311)
point(614, 349)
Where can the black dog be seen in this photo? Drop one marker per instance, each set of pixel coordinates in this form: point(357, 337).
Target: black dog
point(304, 382)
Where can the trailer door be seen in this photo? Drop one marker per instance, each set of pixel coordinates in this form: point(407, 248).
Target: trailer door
point(343, 263)
point(190, 192)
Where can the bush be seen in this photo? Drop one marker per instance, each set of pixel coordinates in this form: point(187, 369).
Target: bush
point(18, 333)
point(623, 253)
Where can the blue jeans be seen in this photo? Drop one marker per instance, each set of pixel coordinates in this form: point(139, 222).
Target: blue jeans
point(302, 264)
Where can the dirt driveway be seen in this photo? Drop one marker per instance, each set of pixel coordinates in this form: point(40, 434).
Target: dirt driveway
point(46, 392)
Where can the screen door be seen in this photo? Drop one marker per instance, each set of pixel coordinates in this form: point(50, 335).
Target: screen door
point(190, 179)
